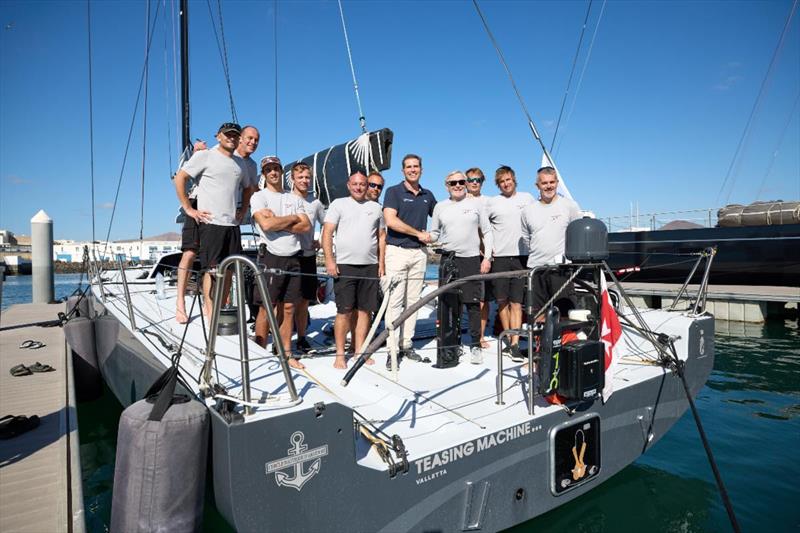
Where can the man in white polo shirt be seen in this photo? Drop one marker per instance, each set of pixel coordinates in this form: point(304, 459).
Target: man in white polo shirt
point(358, 262)
point(544, 226)
point(280, 217)
point(220, 176)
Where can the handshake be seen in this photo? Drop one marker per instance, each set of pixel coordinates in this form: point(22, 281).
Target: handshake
point(425, 237)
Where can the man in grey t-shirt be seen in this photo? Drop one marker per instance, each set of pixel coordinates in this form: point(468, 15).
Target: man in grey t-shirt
point(190, 245)
point(461, 226)
point(544, 226)
point(358, 262)
point(220, 178)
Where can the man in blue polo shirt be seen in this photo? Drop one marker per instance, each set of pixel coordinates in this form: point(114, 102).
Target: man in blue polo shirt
point(406, 208)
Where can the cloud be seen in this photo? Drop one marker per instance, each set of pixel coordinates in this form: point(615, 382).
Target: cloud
point(16, 180)
point(106, 205)
point(727, 83)
point(729, 76)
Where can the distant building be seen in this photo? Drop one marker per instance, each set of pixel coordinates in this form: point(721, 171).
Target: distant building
point(7, 237)
point(146, 251)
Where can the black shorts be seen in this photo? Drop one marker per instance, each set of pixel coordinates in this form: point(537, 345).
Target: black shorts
point(217, 243)
point(281, 288)
point(545, 285)
point(509, 289)
point(190, 235)
point(308, 283)
point(472, 291)
point(351, 293)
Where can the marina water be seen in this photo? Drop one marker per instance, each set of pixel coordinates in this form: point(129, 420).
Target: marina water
point(750, 409)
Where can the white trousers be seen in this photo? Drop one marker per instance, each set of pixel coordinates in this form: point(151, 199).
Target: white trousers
point(407, 265)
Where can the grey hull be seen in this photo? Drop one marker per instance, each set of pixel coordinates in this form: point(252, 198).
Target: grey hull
point(489, 489)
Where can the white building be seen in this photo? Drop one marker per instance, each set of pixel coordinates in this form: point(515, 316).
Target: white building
point(134, 251)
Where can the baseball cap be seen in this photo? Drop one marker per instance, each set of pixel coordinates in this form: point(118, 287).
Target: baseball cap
point(271, 160)
point(228, 127)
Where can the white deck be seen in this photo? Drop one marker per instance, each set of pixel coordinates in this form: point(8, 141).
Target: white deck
point(429, 408)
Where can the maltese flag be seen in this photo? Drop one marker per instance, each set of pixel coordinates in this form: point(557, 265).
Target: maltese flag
point(610, 332)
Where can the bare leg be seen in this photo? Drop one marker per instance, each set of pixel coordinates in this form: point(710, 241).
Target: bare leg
point(484, 320)
point(516, 319)
point(262, 327)
point(301, 317)
point(504, 313)
point(287, 324)
point(207, 302)
point(362, 328)
point(340, 328)
point(187, 260)
point(353, 324)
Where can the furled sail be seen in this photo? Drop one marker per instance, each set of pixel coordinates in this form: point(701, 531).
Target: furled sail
point(331, 167)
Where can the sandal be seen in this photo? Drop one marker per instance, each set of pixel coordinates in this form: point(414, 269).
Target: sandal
point(20, 370)
point(39, 367)
point(11, 426)
point(31, 345)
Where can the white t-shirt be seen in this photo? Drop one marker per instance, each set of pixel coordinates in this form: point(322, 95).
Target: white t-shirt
point(282, 243)
point(544, 227)
point(358, 225)
point(505, 215)
point(316, 214)
point(455, 226)
point(220, 178)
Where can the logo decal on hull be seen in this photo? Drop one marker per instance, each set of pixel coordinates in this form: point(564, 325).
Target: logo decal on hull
point(299, 455)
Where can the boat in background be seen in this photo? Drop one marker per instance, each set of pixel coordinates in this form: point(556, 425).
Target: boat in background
point(757, 244)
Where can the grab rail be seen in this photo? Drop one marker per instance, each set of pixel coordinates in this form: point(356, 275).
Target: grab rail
point(239, 261)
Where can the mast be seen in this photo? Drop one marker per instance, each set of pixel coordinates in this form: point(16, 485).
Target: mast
point(184, 22)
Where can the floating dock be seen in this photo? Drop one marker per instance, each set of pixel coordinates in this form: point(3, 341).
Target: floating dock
point(741, 303)
point(40, 472)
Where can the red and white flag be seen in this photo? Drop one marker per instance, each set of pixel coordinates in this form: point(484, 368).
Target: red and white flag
point(610, 332)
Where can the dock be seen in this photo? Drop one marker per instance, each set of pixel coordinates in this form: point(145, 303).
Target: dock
point(741, 303)
point(40, 473)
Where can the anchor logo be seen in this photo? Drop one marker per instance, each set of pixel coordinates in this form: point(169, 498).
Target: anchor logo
point(299, 454)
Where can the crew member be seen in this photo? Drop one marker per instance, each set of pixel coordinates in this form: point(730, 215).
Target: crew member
point(280, 217)
point(358, 262)
point(374, 186)
point(219, 176)
point(475, 179)
point(544, 226)
point(301, 182)
point(460, 225)
point(248, 143)
point(406, 208)
point(510, 251)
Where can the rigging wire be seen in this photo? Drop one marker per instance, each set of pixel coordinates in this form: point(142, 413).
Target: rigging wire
point(222, 48)
point(756, 105)
point(531, 125)
point(361, 118)
point(790, 116)
point(144, 117)
point(130, 134)
point(91, 111)
point(580, 78)
point(275, 48)
point(571, 73)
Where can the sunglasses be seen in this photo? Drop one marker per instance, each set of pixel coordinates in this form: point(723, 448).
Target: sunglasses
point(378, 186)
point(456, 182)
point(474, 180)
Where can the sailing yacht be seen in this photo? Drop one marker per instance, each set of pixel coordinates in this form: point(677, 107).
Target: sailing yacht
point(411, 447)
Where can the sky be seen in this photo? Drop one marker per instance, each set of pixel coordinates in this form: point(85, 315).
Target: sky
point(663, 101)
